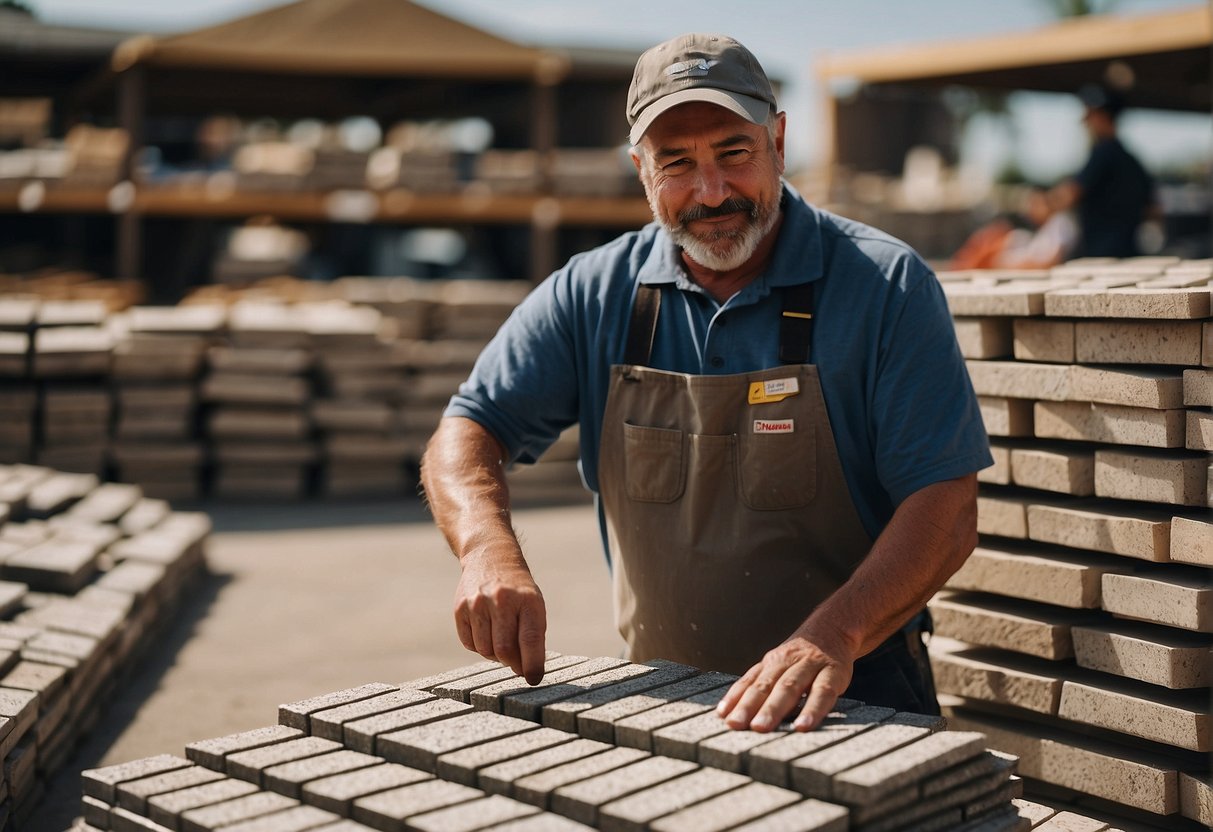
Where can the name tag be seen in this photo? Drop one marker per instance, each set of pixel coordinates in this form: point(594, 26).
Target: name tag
point(773, 426)
point(775, 390)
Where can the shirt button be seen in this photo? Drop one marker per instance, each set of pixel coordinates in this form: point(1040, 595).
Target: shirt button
point(717, 361)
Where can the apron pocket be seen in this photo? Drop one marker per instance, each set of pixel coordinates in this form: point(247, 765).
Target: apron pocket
point(654, 463)
point(778, 470)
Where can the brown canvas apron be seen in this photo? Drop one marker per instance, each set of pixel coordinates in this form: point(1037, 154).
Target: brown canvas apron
point(728, 516)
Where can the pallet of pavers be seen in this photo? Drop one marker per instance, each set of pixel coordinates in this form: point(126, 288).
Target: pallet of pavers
point(89, 573)
point(1079, 635)
point(601, 743)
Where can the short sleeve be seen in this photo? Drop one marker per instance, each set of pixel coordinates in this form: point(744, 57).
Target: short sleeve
point(926, 424)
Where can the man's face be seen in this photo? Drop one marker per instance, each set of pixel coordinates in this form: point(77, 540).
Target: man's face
point(712, 180)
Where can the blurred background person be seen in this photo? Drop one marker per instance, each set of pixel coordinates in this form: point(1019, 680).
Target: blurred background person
point(1044, 235)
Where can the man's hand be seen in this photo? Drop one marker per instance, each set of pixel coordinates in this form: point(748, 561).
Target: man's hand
point(816, 666)
point(500, 614)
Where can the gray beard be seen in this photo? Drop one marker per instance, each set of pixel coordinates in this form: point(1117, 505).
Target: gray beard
point(721, 251)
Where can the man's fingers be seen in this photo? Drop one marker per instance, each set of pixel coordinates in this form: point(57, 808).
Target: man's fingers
point(755, 694)
point(827, 687)
point(482, 630)
point(784, 696)
point(532, 629)
point(734, 693)
point(463, 627)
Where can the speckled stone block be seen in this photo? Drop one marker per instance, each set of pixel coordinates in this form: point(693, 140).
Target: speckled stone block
point(1198, 388)
point(1159, 655)
point(124, 820)
point(983, 338)
point(1199, 433)
point(1155, 389)
point(541, 823)
point(473, 815)
point(1122, 342)
point(133, 794)
point(1034, 813)
point(94, 812)
point(295, 714)
point(1128, 302)
point(1196, 799)
point(422, 745)
point(289, 778)
point(1110, 424)
point(681, 740)
point(1104, 527)
point(1066, 580)
point(727, 810)
point(1171, 477)
point(1192, 541)
point(499, 778)
point(1066, 470)
point(1072, 822)
point(165, 809)
point(637, 731)
point(599, 723)
point(490, 697)
point(361, 734)
point(806, 816)
point(211, 753)
point(208, 818)
point(330, 722)
point(995, 676)
point(250, 765)
point(635, 812)
point(102, 782)
point(1020, 380)
point(1040, 340)
point(580, 801)
point(1006, 417)
point(1206, 355)
point(462, 766)
point(872, 780)
point(770, 762)
point(1000, 472)
point(1174, 598)
point(530, 704)
point(461, 689)
point(562, 715)
point(965, 300)
point(298, 819)
point(338, 792)
point(385, 810)
point(429, 682)
point(537, 788)
point(1004, 515)
point(813, 773)
point(1176, 718)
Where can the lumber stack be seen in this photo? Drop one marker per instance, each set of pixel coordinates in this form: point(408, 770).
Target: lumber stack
point(89, 574)
point(1079, 633)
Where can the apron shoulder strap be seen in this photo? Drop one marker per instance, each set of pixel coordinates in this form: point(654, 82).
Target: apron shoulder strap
point(642, 327)
point(796, 324)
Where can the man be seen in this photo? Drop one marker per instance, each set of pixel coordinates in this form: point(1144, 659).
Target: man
point(764, 515)
point(1112, 193)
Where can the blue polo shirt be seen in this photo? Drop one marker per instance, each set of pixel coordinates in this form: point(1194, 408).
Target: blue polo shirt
point(899, 399)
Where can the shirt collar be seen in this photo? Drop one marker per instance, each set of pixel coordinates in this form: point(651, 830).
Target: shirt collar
point(796, 258)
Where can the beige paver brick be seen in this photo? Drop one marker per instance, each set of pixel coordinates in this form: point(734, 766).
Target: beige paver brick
point(1104, 527)
point(1175, 718)
point(1124, 342)
point(1198, 388)
point(1066, 470)
point(1007, 623)
point(1196, 798)
point(1172, 477)
point(1005, 515)
point(995, 676)
point(1199, 435)
point(982, 338)
point(1111, 424)
point(1128, 302)
point(1043, 340)
point(1172, 598)
point(1157, 389)
point(1020, 380)
point(1192, 541)
point(1162, 656)
point(1006, 417)
point(1000, 472)
point(1067, 580)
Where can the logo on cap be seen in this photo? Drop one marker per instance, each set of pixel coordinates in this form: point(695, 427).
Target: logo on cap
point(694, 69)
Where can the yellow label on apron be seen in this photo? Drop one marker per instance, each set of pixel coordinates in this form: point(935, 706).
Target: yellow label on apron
point(775, 390)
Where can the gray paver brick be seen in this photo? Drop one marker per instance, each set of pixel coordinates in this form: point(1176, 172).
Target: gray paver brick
point(807, 816)
point(166, 808)
point(361, 734)
point(637, 731)
point(599, 723)
point(461, 766)
point(338, 792)
point(461, 689)
point(490, 697)
point(289, 778)
point(249, 765)
point(295, 714)
point(473, 815)
point(752, 800)
point(329, 723)
point(499, 778)
point(580, 801)
point(529, 704)
point(210, 753)
point(682, 739)
point(100, 782)
point(96, 813)
point(133, 794)
point(382, 810)
point(979, 766)
point(536, 788)
point(812, 774)
point(298, 819)
point(769, 762)
point(540, 823)
point(935, 752)
point(429, 682)
point(208, 818)
point(421, 746)
point(562, 715)
point(634, 812)
point(124, 820)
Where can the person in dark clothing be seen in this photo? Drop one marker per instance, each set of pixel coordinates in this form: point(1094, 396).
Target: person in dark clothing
point(1113, 193)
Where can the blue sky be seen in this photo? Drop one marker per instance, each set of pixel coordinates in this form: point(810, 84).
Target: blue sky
point(787, 35)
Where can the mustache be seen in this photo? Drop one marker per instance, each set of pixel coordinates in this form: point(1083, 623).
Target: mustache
point(732, 205)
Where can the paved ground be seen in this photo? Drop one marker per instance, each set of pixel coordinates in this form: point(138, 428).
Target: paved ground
point(310, 598)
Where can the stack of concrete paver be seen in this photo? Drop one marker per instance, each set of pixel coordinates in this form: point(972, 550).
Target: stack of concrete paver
point(1084, 619)
point(600, 743)
point(89, 573)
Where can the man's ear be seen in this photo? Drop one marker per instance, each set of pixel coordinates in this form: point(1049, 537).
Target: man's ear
point(636, 159)
point(781, 126)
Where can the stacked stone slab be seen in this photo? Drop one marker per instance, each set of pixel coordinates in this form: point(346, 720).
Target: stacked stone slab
point(1084, 619)
point(601, 743)
point(89, 573)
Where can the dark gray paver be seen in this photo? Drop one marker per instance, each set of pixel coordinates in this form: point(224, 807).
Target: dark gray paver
point(599, 723)
point(133, 794)
point(421, 746)
point(361, 734)
point(295, 714)
point(232, 811)
point(499, 778)
point(289, 778)
point(752, 800)
point(536, 788)
point(635, 812)
point(165, 809)
point(385, 809)
point(473, 815)
point(330, 722)
point(489, 697)
point(211, 753)
point(250, 765)
point(769, 762)
point(338, 792)
point(580, 801)
point(100, 782)
point(462, 766)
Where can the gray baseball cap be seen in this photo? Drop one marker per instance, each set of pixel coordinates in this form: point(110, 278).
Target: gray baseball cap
point(697, 67)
